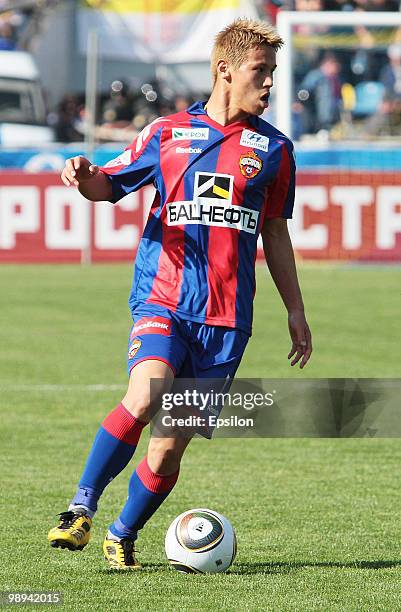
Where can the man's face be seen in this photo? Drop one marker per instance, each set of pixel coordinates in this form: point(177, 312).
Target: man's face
point(252, 81)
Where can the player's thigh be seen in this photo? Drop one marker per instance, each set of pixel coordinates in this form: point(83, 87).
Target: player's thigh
point(214, 368)
point(156, 350)
point(148, 380)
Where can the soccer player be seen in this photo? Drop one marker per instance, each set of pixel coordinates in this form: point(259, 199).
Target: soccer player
point(222, 177)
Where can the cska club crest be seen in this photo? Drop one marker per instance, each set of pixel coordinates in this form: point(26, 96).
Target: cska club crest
point(250, 164)
point(134, 348)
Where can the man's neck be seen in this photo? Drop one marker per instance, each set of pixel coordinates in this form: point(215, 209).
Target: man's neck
point(222, 111)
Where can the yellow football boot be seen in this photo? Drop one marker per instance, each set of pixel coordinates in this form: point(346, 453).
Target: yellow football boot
point(120, 554)
point(73, 531)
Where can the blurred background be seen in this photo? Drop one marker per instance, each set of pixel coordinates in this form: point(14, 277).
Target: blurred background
point(85, 76)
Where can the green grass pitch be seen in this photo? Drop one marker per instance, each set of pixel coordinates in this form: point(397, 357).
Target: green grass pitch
point(317, 520)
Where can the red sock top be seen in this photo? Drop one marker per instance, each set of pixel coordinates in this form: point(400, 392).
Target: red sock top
point(157, 483)
point(121, 424)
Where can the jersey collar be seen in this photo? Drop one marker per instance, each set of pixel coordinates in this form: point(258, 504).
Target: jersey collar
point(198, 108)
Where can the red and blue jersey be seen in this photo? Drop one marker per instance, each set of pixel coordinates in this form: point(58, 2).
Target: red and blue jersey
point(215, 187)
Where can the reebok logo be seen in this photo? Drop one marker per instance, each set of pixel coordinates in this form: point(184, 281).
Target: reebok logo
point(190, 150)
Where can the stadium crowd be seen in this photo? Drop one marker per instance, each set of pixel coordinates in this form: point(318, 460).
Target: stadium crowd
point(122, 112)
point(18, 21)
point(9, 24)
point(346, 83)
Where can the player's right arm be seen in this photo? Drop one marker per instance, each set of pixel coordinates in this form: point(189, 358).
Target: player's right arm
point(131, 170)
point(91, 182)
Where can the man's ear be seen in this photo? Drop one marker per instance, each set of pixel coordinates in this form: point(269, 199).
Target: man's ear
point(223, 70)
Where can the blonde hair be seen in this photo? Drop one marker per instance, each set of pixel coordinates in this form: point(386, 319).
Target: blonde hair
point(236, 40)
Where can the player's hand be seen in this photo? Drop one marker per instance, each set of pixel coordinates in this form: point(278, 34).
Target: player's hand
point(301, 338)
point(78, 170)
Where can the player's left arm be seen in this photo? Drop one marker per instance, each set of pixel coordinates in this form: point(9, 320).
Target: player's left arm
point(280, 259)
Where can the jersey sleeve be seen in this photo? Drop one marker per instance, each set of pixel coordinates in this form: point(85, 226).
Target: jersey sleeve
point(281, 192)
point(137, 165)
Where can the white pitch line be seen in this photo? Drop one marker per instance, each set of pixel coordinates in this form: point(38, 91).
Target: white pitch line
point(45, 387)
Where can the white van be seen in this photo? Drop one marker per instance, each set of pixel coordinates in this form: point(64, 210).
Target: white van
point(22, 107)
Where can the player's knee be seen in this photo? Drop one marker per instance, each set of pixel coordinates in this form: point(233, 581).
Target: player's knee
point(137, 404)
point(164, 457)
point(148, 381)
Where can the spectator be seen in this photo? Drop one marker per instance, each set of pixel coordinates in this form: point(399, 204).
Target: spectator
point(339, 5)
point(69, 121)
point(7, 36)
point(118, 110)
point(306, 29)
point(390, 75)
point(272, 7)
point(377, 5)
point(181, 103)
point(308, 5)
point(320, 91)
point(387, 120)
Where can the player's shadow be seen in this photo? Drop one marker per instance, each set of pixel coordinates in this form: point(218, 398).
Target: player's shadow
point(281, 567)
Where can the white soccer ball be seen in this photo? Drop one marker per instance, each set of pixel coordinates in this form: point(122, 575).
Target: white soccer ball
point(201, 541)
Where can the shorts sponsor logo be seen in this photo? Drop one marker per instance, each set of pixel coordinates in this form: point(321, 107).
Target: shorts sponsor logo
point(122, 160)
point(250, 164)
point(212, 205)
point(190, 133)
point(254, 140)
point(134, 348)
point(190, 150)
point(151, 325)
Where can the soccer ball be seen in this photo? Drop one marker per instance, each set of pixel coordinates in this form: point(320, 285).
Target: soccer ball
point(201, 541)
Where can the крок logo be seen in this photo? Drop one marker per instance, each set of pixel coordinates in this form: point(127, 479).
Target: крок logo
point(190, 133)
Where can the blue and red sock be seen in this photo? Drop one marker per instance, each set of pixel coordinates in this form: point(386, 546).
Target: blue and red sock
point(114, 446)
point(147, 491)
